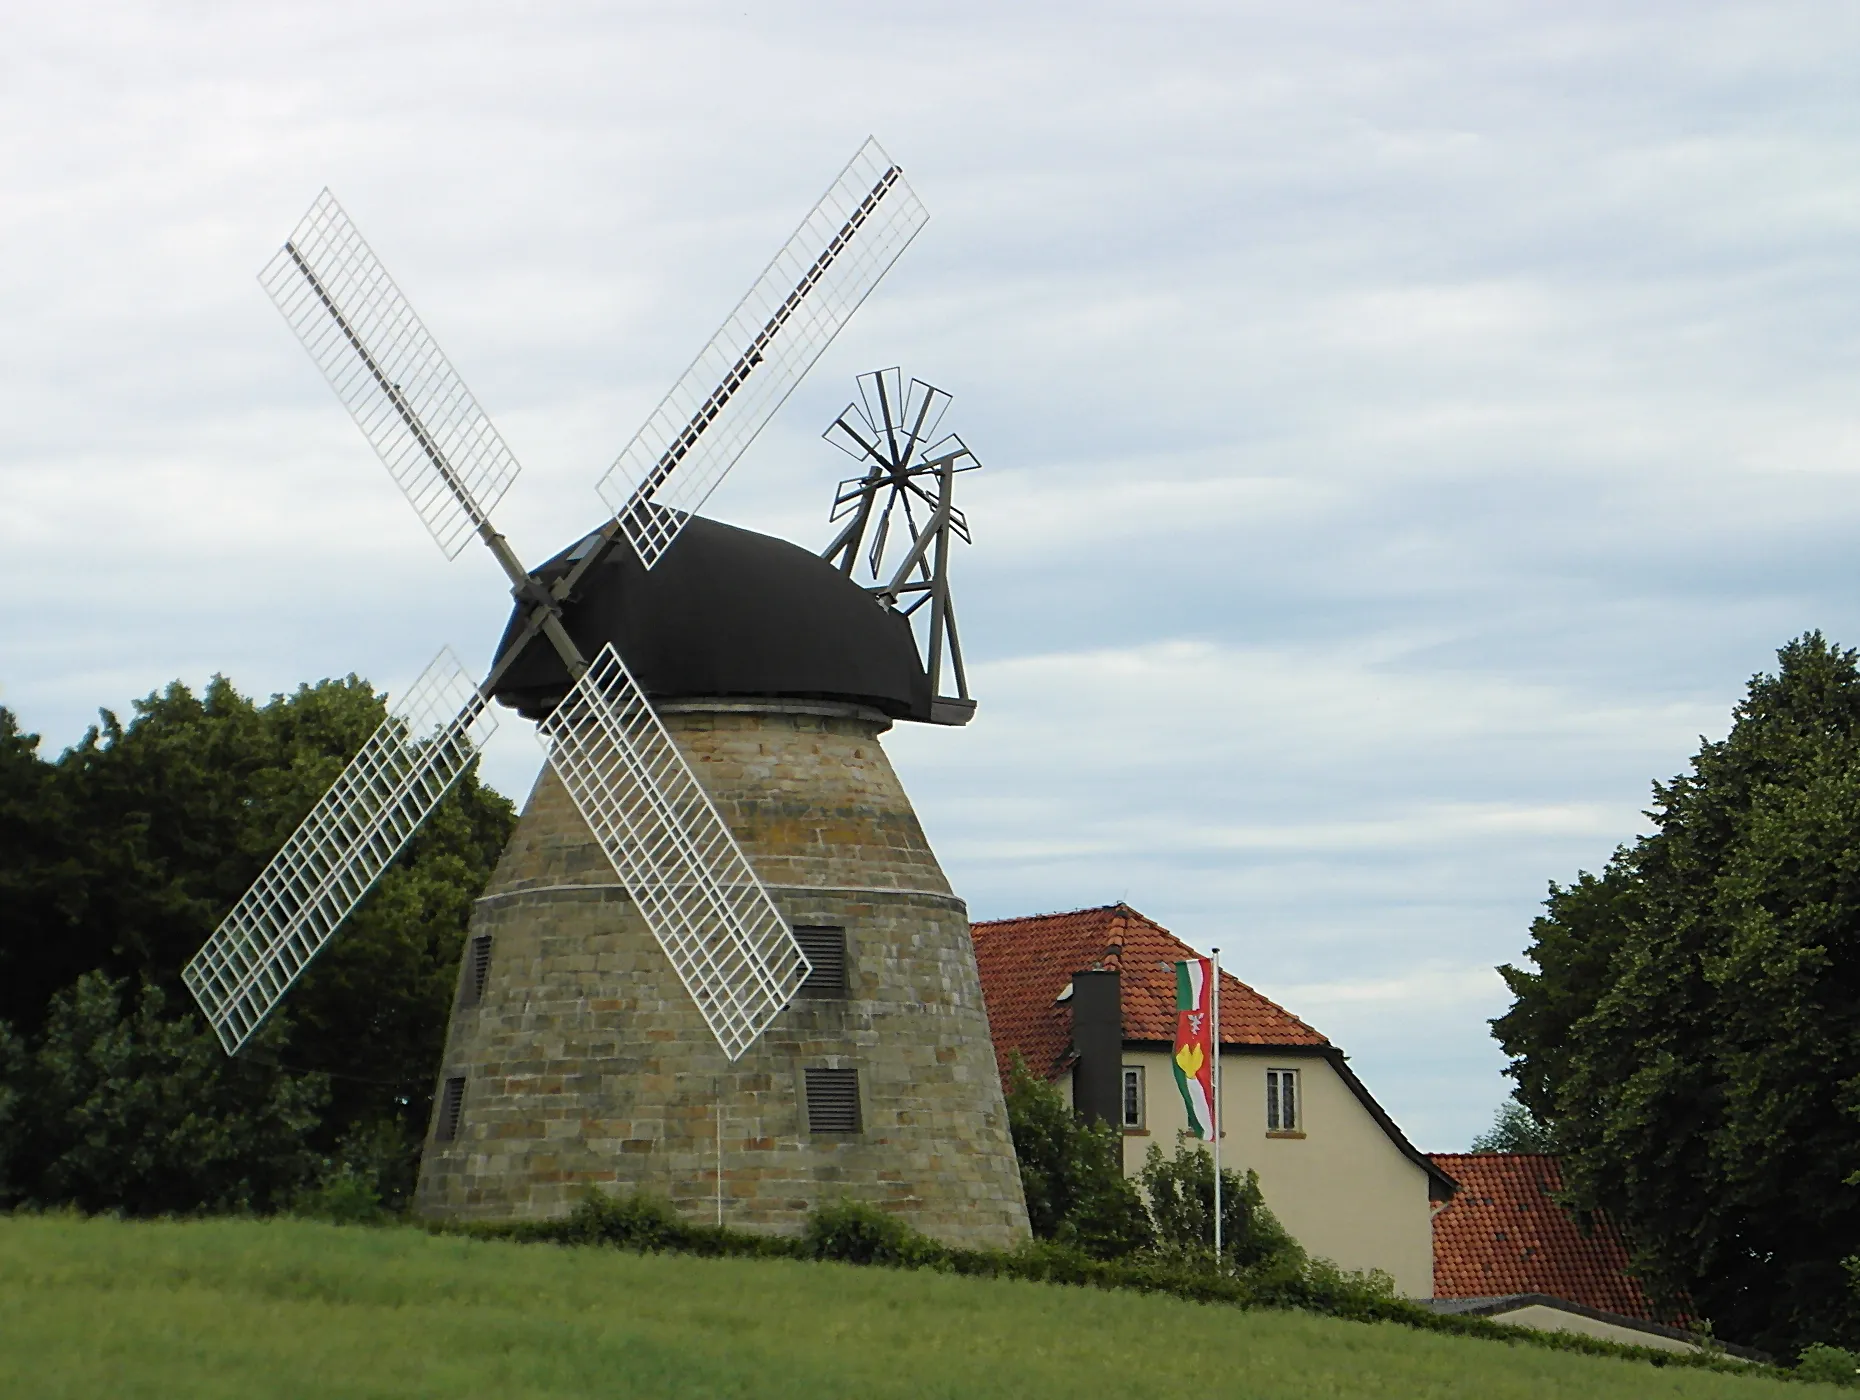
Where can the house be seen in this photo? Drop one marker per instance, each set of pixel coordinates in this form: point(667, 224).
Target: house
point(1087, 999)
point(1505, 1249)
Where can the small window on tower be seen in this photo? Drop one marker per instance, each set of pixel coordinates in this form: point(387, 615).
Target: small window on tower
point(477, 970)
point(451, 1109)
point(826, 954)
point(1284, 1108)
point(1133, 1096)
point(832, 1100)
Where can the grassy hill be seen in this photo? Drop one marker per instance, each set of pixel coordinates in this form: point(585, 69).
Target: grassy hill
point(287, 1308)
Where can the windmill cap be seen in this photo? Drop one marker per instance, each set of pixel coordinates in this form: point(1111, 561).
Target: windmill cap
point(726, 613)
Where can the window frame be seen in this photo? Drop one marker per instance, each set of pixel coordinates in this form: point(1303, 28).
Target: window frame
point(1140, 1120)
point(1279, 1121)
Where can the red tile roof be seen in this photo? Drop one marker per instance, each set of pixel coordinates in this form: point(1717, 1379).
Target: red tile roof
point(1026, 963)
point(1503, 1234)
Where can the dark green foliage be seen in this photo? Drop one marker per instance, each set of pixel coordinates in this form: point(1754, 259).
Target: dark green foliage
point(1831, 1364)
point(1514, 1129)
point(122, 856)
point(641, 1222)
point(13, 1066)
point(856, 1233)
point(1181, 1199)
point(1691, 1033)
point(1072, 1172)
point(42, 881)
point(369, 1178)
point(137, 1110)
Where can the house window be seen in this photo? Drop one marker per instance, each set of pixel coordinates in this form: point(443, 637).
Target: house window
point(826, 954)
point(1284, 1111)
point(832, 1100)
point(1133, 1096)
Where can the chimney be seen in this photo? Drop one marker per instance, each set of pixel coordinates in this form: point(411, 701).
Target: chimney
point(1098, 1041)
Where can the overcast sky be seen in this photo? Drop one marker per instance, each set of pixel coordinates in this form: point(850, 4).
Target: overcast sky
point(1406, 427)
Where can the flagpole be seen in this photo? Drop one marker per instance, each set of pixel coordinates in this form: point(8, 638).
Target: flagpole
point(1219, 1116)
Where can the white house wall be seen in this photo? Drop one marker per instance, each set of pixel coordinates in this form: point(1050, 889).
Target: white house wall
point(1344, 1190)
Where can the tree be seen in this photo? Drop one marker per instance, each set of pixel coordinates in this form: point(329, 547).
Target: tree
point(1072, 1172)
point(1514, 1129)
point(1181, 1200)
point(122, 856)
point(42, 882)
point(136, 1110)
point(1691, 1033)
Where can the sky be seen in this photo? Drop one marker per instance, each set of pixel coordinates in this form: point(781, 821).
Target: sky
point(1405, 428)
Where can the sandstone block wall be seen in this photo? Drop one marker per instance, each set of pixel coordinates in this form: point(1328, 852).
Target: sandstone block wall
point(585, 1061)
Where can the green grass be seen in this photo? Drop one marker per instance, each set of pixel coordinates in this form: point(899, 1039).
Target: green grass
point(287, 1308)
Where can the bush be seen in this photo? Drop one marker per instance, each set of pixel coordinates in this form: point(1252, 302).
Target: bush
point(342, 1197)
point(1072, 1172)
point(123, 1105)
point(1181, 1197)
point(639, 1222)
point(1836, 1365)
point(369, 1180)
point(856, 1233)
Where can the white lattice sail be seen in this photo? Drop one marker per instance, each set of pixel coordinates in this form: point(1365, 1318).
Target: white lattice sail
point(411, 405)
point(815, 283)
point(692, 883)
point(338, 853)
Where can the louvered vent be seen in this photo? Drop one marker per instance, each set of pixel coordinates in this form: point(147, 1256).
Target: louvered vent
point(832, 1100)
point(451, 1108)
point(477, 970)
point(826, 951)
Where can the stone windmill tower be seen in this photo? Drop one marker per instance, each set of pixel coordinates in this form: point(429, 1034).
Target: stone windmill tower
point(718, 960)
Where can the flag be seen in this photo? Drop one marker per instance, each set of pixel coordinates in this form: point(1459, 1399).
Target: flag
point(1194, 1044)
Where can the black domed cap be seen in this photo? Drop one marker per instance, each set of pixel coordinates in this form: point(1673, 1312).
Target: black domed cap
point(726, 612)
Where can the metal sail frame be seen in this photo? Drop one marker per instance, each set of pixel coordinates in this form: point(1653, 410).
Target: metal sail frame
point(890, 429)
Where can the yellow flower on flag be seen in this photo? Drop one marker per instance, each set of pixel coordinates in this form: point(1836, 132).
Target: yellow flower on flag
point(1190, 1058)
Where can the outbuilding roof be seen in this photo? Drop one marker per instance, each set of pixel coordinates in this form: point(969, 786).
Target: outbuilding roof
point(1504, 1233)
point(1027, 963)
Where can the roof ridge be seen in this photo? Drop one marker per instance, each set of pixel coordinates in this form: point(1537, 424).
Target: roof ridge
point(1063, 914)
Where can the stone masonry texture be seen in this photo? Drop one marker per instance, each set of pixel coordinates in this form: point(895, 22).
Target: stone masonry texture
point(586, 1063)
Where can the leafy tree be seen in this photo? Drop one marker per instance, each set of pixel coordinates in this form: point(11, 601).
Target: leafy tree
point(1181, 1201)
point(42, 882)
point(121, 857)
point(1072, 1172)
point(1514, 1129)
point(1691, 1032)
point(143, 1112)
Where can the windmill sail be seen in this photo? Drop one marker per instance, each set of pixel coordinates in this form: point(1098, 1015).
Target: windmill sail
point(411, 405)
point(683, 869)
point(338, 853)
point(813, 285)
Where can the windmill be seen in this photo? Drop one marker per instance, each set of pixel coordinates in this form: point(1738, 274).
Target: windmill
point(647, 816)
